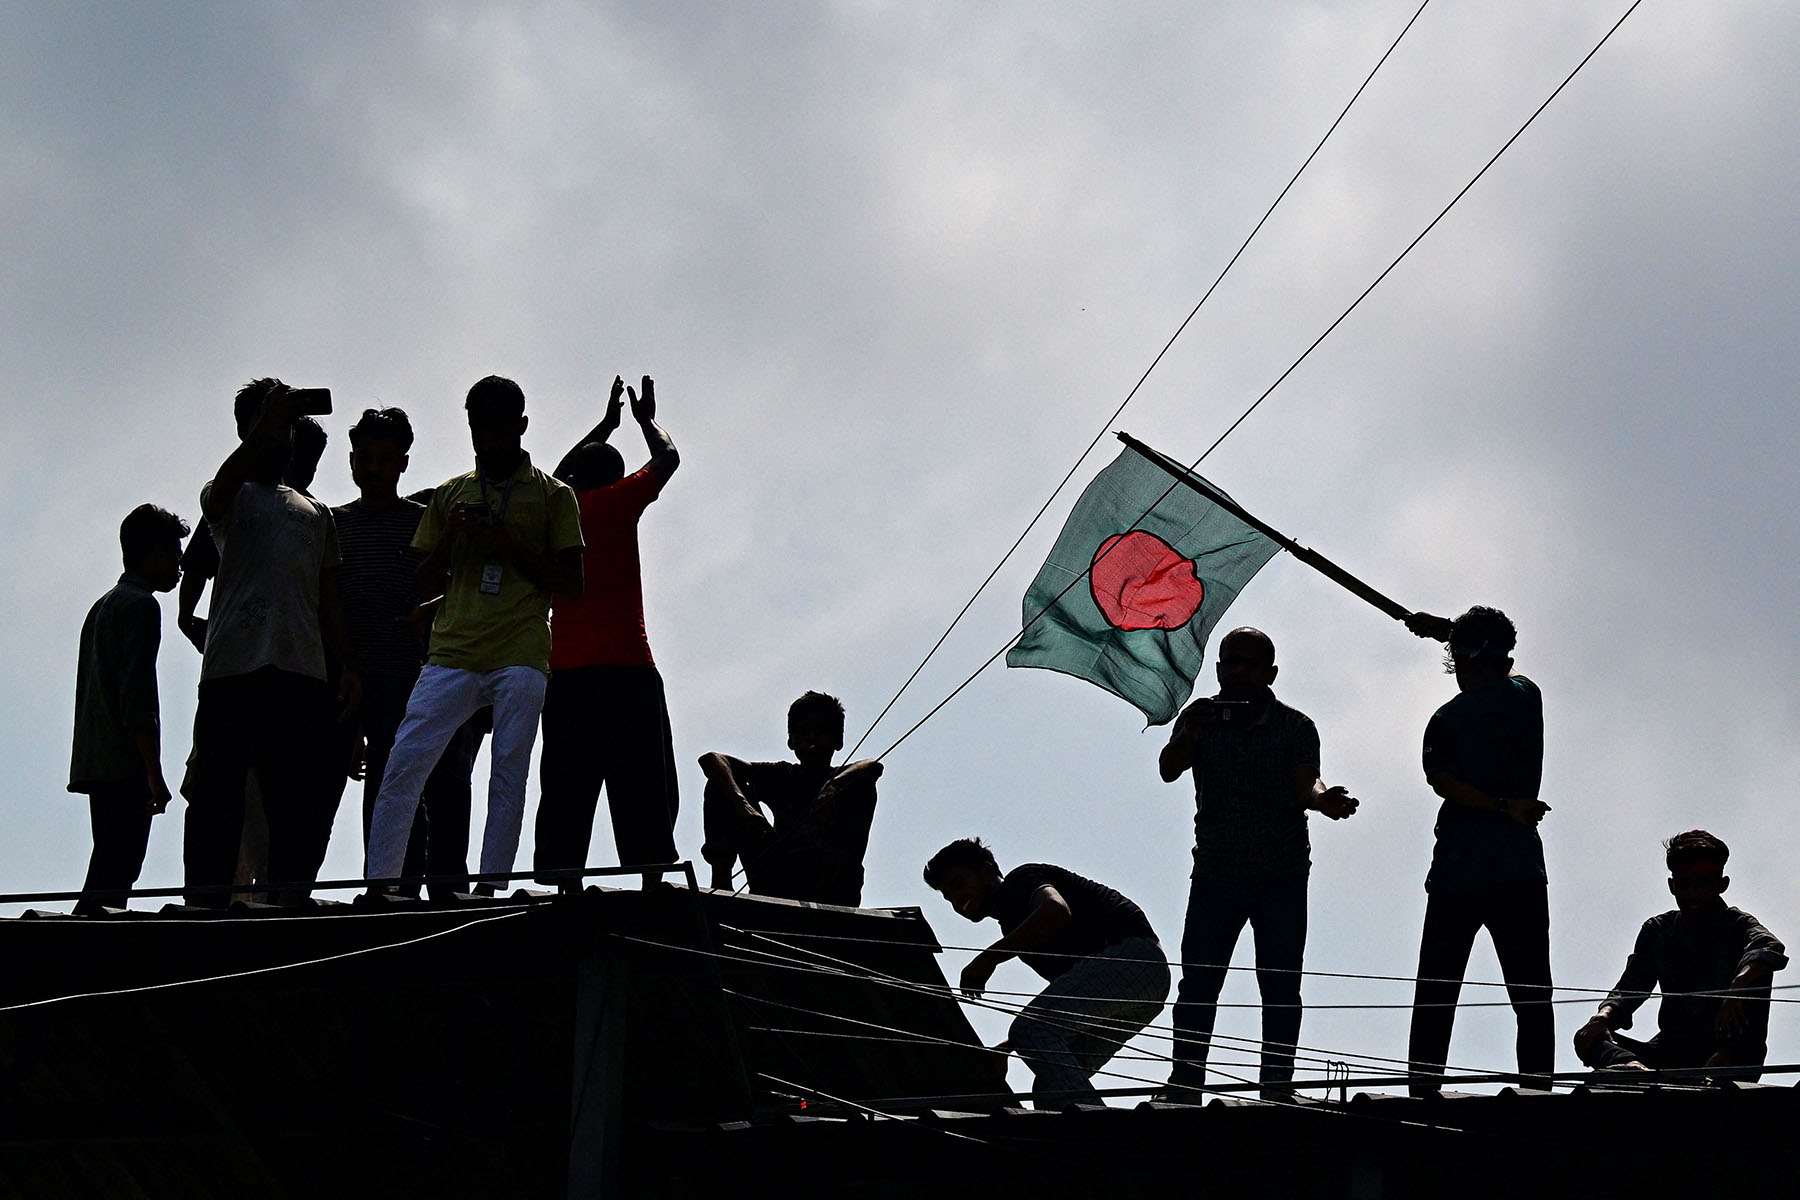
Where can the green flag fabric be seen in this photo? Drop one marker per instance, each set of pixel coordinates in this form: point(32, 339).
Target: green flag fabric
point(1148, 589)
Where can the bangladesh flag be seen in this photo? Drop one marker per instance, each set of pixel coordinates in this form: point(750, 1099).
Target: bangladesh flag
point(1148, 588)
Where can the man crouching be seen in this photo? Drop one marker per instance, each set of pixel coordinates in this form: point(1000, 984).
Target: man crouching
point(1107, 972)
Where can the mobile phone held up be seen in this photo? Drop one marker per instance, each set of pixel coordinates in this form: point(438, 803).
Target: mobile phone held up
point(1231, 712)
point(311, 402)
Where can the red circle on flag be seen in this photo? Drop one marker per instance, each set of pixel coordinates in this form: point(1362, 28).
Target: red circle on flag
point(1141, 582)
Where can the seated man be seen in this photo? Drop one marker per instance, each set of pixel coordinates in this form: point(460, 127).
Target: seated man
point(1108, 977)
point(814, 848)
point(1701, 949)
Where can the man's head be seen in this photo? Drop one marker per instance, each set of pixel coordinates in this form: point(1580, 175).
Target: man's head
point(595, 465)
point(303, 458)
point(1481, 644)
point(379, 443)
point(150, 543)
point(246, 407)
point(1697, 876)
point(965, 874)
point(816, 728)
point(1246, 666)
point(496, 408)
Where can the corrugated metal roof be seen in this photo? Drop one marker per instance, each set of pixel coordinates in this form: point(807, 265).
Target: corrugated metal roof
point(482, 1048)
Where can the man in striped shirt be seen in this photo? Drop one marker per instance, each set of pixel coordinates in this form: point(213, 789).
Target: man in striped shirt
point(379, 586)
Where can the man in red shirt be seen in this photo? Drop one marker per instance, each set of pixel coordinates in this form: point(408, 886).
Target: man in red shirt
point(606, 721)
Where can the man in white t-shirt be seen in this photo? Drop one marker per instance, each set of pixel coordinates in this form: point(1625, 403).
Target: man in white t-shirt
point(264, 700)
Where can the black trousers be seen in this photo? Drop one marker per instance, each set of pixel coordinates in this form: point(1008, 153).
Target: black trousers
point(606, 726)
point(281, 724)
point(1691, 1045)
point(1517, 917)
point(120, 815)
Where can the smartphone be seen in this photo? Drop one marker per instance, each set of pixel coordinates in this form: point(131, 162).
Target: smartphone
point(1231, 712)
point(311, 402)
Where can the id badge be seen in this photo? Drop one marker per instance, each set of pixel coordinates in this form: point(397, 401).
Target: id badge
point(490, 579)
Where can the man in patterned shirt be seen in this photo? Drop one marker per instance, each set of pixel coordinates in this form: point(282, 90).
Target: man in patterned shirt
point(1256, 774)
point(379, 584)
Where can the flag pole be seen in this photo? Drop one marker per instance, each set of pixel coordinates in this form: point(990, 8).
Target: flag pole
point(1311, 558)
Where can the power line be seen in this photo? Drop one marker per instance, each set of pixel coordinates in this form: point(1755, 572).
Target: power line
point(1130, 395)
point(1175, 964)
point(1292, 367)
point(290, 966)
point(1150, 1029)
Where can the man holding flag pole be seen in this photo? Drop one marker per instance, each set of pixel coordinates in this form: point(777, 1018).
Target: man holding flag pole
point(1148, 561)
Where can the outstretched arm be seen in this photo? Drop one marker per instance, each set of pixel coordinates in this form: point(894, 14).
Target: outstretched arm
point(1335, 802)
point(598, 433)
point(1048, 916)
point(1424, 625)
point(664, 458)
point(272, 425)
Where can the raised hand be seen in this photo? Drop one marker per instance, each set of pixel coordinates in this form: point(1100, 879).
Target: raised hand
point(643, 407)
point(615, 403)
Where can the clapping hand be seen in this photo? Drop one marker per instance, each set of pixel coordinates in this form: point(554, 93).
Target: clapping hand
point(643, 407)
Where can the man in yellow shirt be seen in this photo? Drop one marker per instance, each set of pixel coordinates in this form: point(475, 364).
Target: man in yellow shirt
point(499, 542)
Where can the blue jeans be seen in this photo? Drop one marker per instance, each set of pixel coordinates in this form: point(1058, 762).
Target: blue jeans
point(1078, 1023)
point(1216, 914)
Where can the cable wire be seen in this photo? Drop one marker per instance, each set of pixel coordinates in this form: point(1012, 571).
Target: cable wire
point(1132, 394)
point(1292, 367)
point(292, 966)
point(1177, 965)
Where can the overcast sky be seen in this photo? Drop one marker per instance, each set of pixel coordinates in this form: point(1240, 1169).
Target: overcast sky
point(891, 266)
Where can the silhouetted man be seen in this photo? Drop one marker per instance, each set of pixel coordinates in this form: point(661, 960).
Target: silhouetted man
point(1484, 755)
point(264, 701)
point(1106, 970)
point(199, 563)
point(813, 848)
point(379, 583)
point(1713, 963)
point(1256, 775)
point(117, 755)
point(499, 541)
point(606, 719)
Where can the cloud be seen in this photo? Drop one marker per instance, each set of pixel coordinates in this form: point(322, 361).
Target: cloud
point(891, 266)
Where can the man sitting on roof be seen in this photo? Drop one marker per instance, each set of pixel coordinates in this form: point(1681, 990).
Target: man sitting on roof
point(1713, 963)
point(814, 848)
point(1107, 973)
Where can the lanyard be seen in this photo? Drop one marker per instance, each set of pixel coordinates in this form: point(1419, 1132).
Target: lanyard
point(505, 493)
